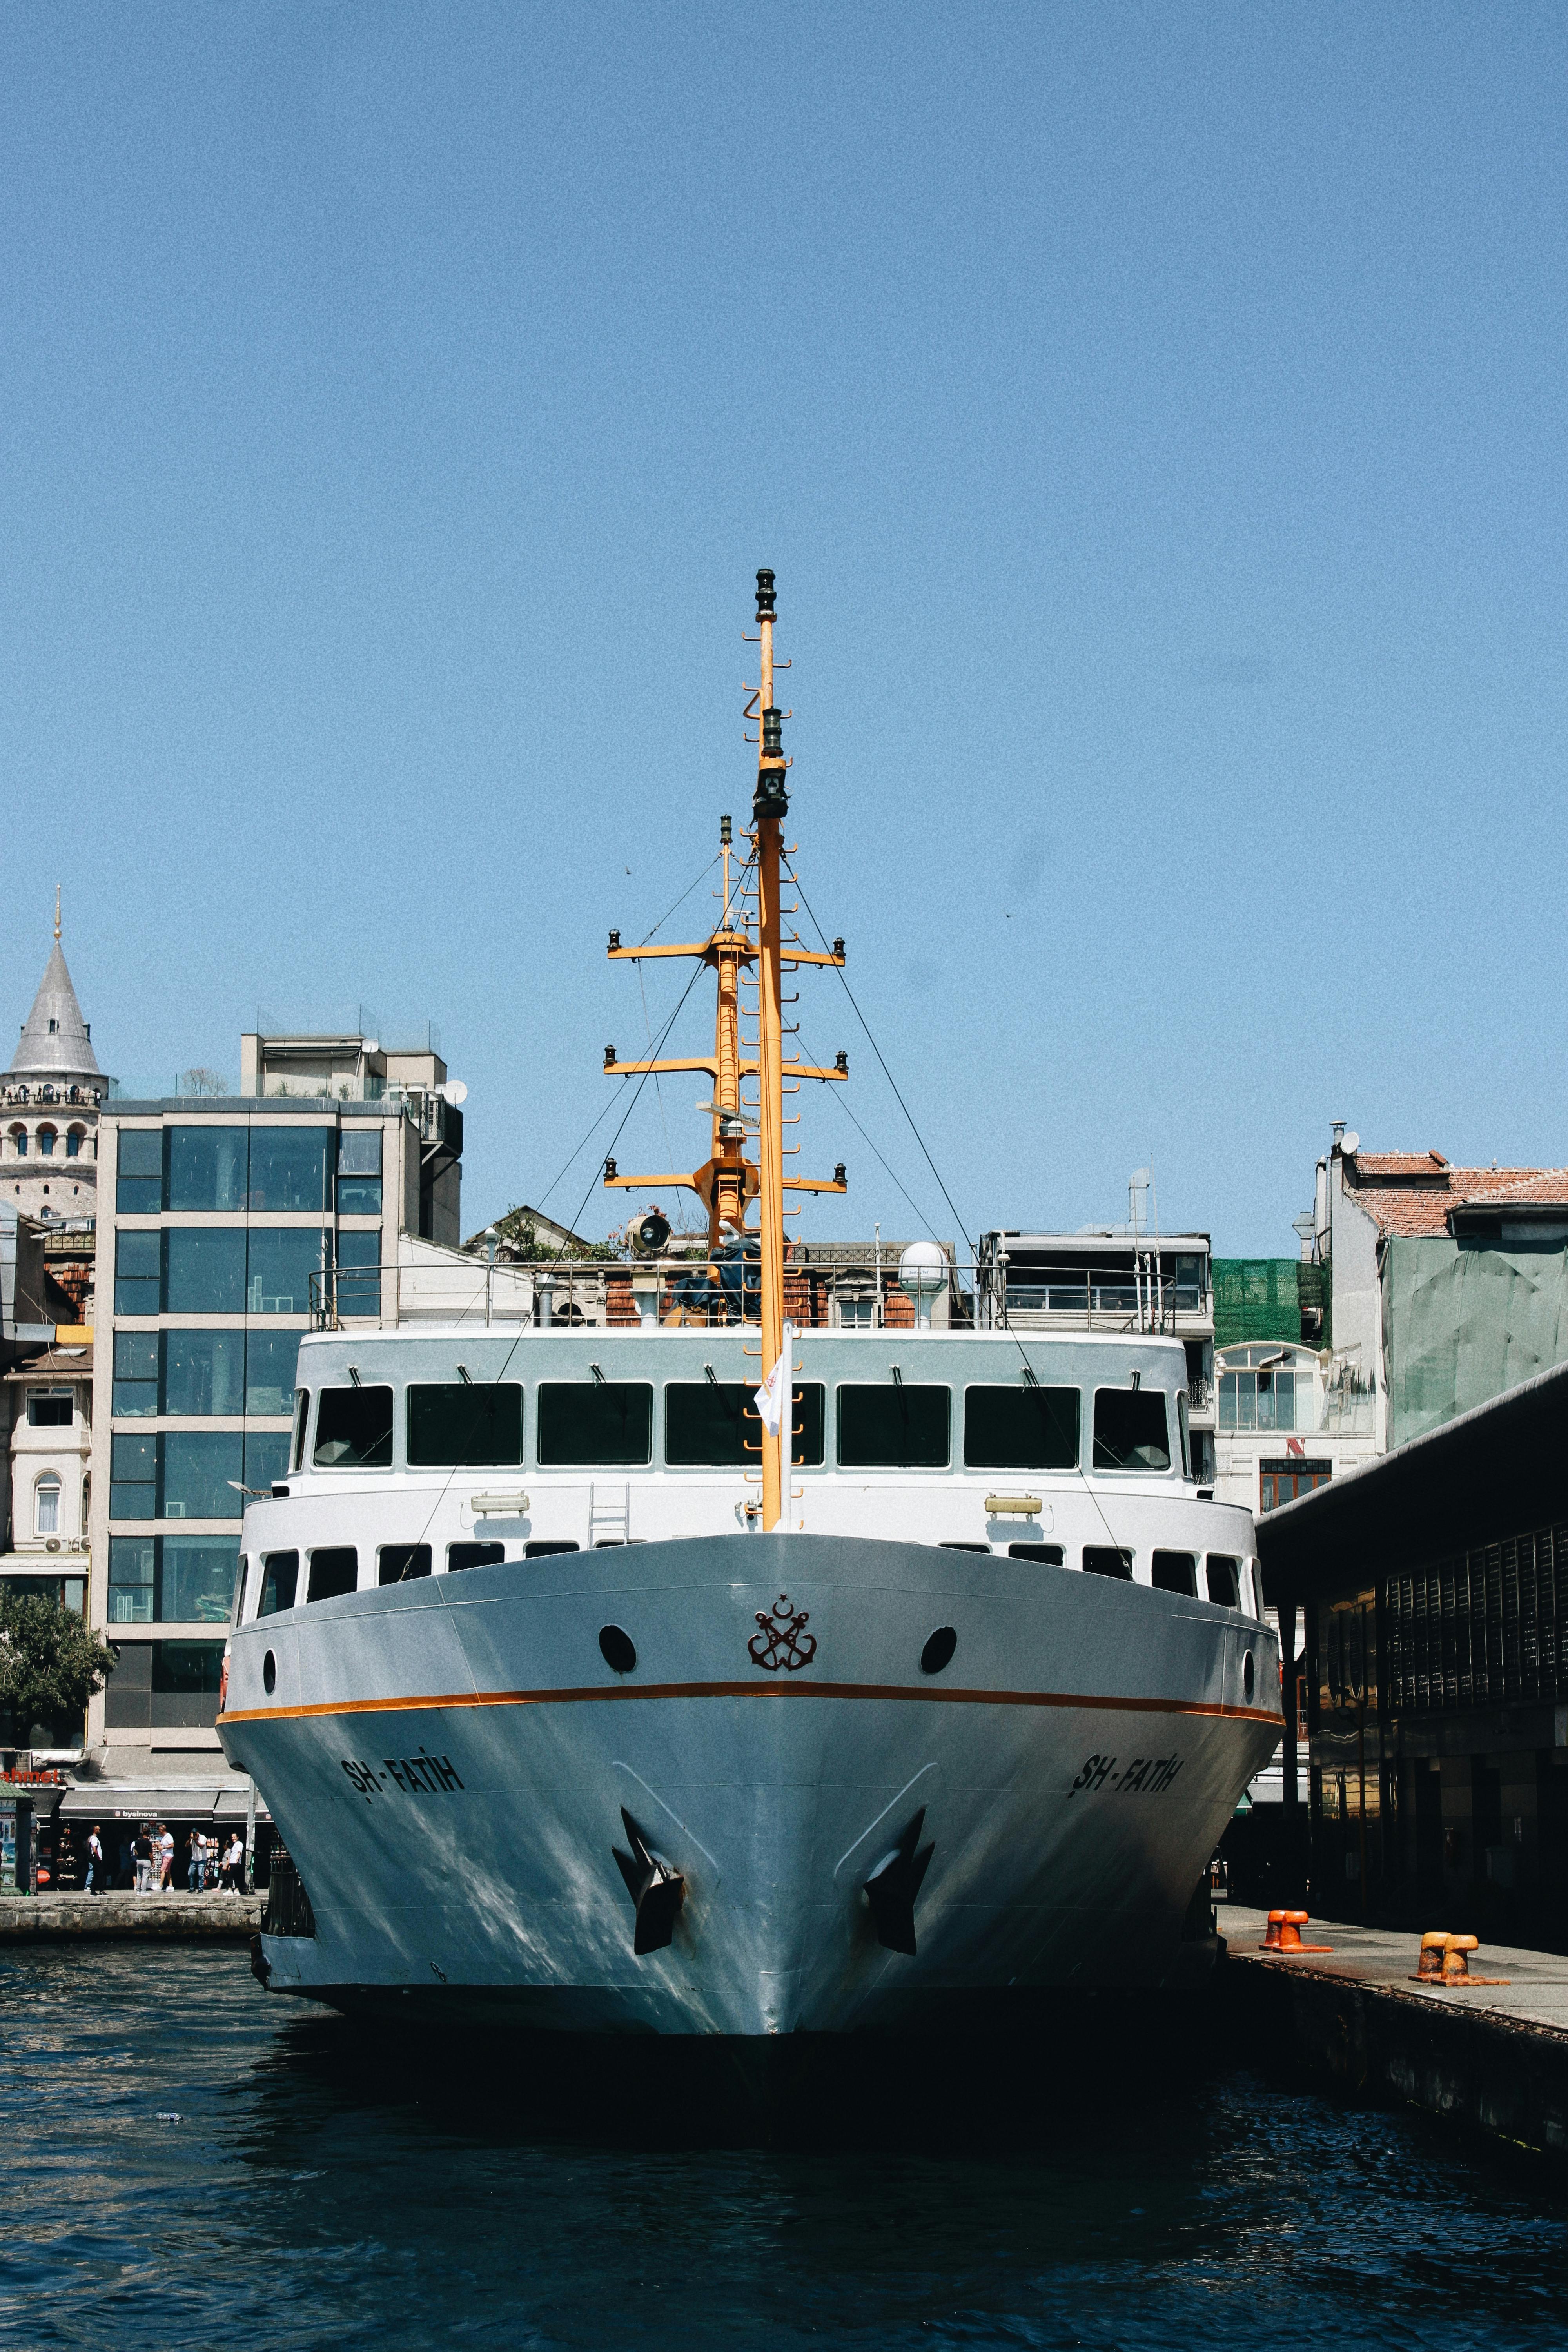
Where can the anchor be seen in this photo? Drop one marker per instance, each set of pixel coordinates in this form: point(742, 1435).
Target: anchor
point(892, 1886)
point(656, 1891)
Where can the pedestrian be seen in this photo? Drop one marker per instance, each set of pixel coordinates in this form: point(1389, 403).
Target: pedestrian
point(94, 1861)
point(143, 1850)
point(203, 1860)
point(166, 1860)
point(236, 1863)
point(193, 1860)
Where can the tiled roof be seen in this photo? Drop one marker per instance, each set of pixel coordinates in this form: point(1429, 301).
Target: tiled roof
point(59, 1365)
point(1420, 1209)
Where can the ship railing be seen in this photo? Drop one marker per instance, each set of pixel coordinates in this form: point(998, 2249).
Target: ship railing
point(1018, 1299)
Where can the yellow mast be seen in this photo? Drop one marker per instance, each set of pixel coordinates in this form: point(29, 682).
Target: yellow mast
point(729, 1181)
point(769, 809)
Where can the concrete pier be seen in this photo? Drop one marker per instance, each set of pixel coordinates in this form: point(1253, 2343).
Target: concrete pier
point(1493, 2056)
point(47, 1919)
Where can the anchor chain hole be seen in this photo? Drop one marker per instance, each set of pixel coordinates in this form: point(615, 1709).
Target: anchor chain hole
point(938, 1649)
point(270, 1672)
point(617, 1648)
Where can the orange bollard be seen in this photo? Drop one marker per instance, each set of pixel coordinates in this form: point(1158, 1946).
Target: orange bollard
point(1429, 1967)
point(1272, 1941)
point(1291, 1926)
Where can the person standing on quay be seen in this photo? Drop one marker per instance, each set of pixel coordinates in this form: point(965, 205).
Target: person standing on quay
point(143, 1852)
point(94, 1861)
point(166, 1854)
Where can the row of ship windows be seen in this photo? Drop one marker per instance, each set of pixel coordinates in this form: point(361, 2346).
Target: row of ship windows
point(894, 1424)
point(334, 1569)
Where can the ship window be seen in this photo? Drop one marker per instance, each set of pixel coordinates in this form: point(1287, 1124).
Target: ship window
point(474, 1555)
point(1048, 1555)
point(895, 1426)
point(334, 1572)
point(711, 1424)
point(398, 1563)
point(1102, 1560)
point(1018, 1428)
point(606, 1422)
point(1131, 1431)
point(543, 1546)
point(456, 1424)
point(1177, 1571)
point(353, 1429)
point(1222, 1579)
point(966, 1546)
point(301, 1416)
point(241, 1588)
point(280, 1575)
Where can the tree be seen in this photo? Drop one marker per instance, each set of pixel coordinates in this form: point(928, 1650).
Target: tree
point(200, 1081)
point(51, 1664)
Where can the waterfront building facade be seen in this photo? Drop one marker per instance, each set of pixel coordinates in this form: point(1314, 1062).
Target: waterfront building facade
point(232, 1223)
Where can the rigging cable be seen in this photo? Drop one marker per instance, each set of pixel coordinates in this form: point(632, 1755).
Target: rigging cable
point(865, 1025)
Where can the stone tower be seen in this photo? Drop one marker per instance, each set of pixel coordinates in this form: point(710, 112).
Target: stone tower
point(50, 1100)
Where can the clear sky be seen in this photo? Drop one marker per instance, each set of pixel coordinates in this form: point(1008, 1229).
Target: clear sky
point(1155, 418)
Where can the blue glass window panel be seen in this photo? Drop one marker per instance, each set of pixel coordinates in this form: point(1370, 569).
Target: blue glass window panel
point(198, 1466)
point(197, 1580)
point(133, 1476)
point(73, 1143)
point(208, 1166)
point(138, 1261)
point(359, 1149)
point(270, 1357)
point(359, 1274)
point(205, 1270)
point(135, 1374)
point(359, 1196)
point(139, 1188)
point(266, 1458)
point(204, 1372)
point(131, 1579)
point(282, 1260)
point(292, 1166)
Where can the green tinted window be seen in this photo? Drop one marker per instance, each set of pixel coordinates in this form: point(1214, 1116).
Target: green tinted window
point(204, 1372)
point(135, 1374)
point(466, 1426)
point(138, 1264)
point(608, 1421)
point(282, 1260)
point(139, 1188)
point(270, 1357)
point(292, 1166)
point(205, 1270)
point(133, 1476)
point(1019, 1428)
point(893, 1427)
point(131, 1579)
point(207, 1167)
point(202, 1469)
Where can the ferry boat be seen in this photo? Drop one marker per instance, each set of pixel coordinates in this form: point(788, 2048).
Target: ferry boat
point(698, 1675)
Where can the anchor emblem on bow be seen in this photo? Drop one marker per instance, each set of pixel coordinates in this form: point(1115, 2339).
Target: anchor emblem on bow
point(783, 1640)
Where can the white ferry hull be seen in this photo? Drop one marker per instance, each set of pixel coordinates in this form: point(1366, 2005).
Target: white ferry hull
point(448, 1762)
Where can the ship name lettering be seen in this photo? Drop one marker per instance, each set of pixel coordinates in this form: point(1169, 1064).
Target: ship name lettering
point(415, 1775)
point(1147, 1775)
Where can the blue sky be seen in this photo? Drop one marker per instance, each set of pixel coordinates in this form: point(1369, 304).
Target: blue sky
point(1154, 418)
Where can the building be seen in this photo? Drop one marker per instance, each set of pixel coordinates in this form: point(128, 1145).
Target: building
point(1431, 1696)
point(49, 1097)
point(356, 1067)
point(236, 1222)
point(1110, 1278)
point(48, 1410)
point(1287, 1418)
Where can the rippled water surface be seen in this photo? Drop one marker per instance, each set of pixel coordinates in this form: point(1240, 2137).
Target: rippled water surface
point(189, 2163)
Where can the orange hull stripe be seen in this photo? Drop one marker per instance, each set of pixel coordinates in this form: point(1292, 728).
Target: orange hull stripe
point(592, 1695)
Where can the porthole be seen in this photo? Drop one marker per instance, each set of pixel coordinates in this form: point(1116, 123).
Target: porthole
point(617, 1648)
point(938, 1652)
point(1248, 1677)
point(270, 1672)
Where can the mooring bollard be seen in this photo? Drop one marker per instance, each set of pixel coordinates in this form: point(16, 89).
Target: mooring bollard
point(1446, 1961)
point(1290, 1925)
point(1429, 1967)
point(1276, 1921)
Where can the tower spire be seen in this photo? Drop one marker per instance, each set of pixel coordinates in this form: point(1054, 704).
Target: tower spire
point(56, 913)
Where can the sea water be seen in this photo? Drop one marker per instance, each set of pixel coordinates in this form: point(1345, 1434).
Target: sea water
point(190, 2162)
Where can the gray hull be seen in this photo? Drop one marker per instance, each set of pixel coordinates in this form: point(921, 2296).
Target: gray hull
point(448, 1762)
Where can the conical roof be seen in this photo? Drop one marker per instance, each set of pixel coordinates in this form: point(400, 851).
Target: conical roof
point(54, 1042)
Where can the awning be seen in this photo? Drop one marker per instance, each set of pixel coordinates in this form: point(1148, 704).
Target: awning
point(164, 1800)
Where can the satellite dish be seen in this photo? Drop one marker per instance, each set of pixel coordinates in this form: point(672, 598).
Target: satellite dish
point(456, 1092)
point(1350, 1141)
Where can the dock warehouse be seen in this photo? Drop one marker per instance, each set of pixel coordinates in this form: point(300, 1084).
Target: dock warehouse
point(1431, 1590)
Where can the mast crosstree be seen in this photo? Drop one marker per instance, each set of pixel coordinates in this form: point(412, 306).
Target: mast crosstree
point(742, 948)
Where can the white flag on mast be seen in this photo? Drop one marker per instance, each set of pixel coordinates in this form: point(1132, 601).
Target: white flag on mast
point(772, 1400)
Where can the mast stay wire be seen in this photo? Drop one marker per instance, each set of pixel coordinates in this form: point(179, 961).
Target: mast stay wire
point(865, 1025)
point(931, 1164)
